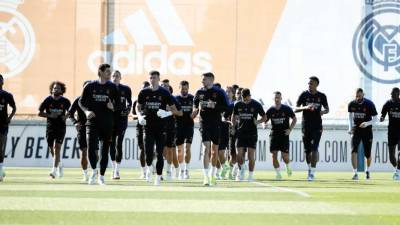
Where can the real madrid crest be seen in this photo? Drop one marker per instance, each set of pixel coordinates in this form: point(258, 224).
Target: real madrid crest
point(15, 56)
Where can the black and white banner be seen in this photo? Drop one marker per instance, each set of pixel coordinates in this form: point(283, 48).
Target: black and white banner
point(27, 146)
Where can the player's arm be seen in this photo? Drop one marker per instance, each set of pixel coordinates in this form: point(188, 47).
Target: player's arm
point(351, 118)
point(65, 113)
point(300, 105)
point(134, 114)
point(227, 115)
point(370, 122)
point(84, 102)
point(325, 106)
point(267, 118)
point(44, 115)
point(351, 122)
point(374, 119)
point(325, 111)
point(140, 114)
point(222, 104)
point(302, 108)
point(262, 119)
point(196, 103)
point(129, 100)
point(175, 111)
point(14, 109)
point(234, 118)
point(114, 101)
point(139, 109)
point(195, 112)
point(173, 106)
point(42, 108)
point(261, 112)
point(292, 124)
point(384, 112)
point(72, 111)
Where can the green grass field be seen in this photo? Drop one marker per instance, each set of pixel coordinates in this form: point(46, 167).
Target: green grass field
point(28, 196)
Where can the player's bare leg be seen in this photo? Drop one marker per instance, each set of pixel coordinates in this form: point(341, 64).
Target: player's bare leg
point(275, 163)
point(84, 164)
point(206, 161)
point(214, 161)
point(180, 154)
point(221, 162)
point(175, 161)
point(54, 168)
point(251, 154)
point(169, 157)
point(187, 160)
point(3, 139)
point(240, 161)
point(57, 160)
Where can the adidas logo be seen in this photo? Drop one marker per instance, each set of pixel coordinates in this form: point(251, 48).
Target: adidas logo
point(146, 51)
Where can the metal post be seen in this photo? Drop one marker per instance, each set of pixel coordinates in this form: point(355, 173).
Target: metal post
point(366, 84)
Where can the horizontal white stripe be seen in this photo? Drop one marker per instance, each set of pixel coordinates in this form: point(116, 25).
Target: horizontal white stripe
point(196, 206)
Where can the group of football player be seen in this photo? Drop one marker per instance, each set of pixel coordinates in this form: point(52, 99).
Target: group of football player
point(229, 120)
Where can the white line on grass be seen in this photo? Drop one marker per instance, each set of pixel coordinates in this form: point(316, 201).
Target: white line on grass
point(301, 193)
point(196, 206)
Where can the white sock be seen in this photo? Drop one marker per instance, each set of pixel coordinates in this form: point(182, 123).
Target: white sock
point(355, 171)
point(94, 171)
point(85, 172)
point(186, 166)
point(205, 172)
point(143, 169)
point(218, 170)
point(236, 167)
point(213, 171)
point(251, 173)
point(367, 169)
point(182, 166)
point(101, 177)
point(312, 170)
point(169, 167)
point(53, 170)
point(114, 164)
point(117, 165)
point(150, 169)
point(277, 171)
point(309, 166)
